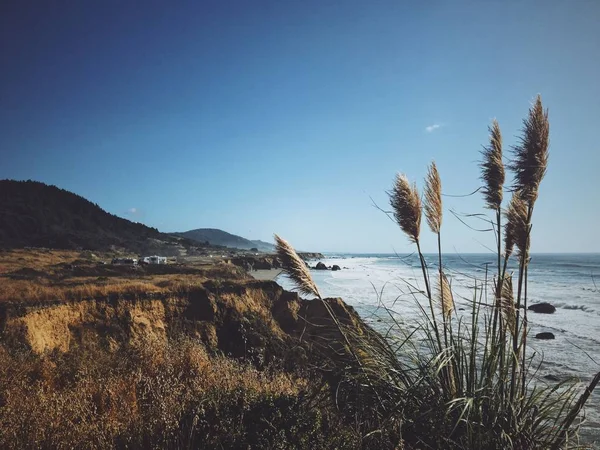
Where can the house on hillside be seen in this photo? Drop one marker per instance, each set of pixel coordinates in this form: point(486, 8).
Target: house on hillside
point(154, 260)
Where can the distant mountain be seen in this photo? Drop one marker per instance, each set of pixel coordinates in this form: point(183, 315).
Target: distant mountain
point(219, 237)
point(34, 214)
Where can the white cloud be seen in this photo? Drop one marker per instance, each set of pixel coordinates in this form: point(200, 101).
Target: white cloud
point(133, 212)
point(432, 128)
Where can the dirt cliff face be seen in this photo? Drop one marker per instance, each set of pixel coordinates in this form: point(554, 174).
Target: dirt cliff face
point(59, 327)
point(241, 318)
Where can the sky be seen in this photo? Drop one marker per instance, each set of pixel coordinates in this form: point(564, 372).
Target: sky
point(294, 117)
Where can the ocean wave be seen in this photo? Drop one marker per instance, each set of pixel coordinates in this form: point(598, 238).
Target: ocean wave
point(577, 265)
point(583, 308)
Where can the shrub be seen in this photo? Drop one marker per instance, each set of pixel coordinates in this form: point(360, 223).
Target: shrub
point(157, 396)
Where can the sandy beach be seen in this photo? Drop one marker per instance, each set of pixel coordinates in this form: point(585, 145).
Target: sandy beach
point(269, 274)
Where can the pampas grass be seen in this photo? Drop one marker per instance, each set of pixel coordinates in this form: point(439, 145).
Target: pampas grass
point(493, 177)
point(295, 268)
point(433, 199)
point(492, 169)
point(445, 295)
point(516, 230)
point(507, 303)
point(530, 157)
point(474, 388)
point(406, 205)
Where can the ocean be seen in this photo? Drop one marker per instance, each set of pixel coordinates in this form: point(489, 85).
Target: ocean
point(570, 282)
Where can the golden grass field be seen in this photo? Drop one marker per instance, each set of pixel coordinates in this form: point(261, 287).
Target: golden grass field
point(39, 275)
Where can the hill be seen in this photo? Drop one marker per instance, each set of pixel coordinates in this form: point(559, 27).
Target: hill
point(219, 237)
point(34, 214)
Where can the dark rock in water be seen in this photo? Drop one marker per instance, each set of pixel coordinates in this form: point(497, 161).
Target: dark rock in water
point(310, 255)
point(544, 335)
point(336, 267)
point(551, 378)
point(320, 266)
point(543, 308)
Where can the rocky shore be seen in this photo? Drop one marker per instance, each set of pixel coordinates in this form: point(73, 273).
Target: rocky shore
point(262, 261)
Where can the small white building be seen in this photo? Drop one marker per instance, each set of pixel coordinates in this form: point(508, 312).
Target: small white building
point(155, 259)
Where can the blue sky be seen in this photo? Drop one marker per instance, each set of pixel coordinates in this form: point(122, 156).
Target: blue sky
point(262, 117)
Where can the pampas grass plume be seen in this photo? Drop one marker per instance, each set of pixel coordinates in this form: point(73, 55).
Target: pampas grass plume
point(445, 294)
point(492, 169)
point(406, 205)
point(516, 229)
point(507, 303)
point(530, 156)
point(295, 268)
point(433, 199)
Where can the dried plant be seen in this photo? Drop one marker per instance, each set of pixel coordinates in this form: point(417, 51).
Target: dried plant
point(507, 303)
point(142, 393)
point(445, 295)
point(530, 157)
point(406, 205)
point(433, 199)
point(509, 236)
point(492, 169)
point(295, 268)
point(516, 230)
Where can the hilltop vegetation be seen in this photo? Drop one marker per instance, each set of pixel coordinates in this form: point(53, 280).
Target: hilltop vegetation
point(34, 214)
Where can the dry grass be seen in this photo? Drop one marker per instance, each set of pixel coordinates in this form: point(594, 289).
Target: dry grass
point(516, 230)
point(406, 205)
point(530, 157)
point(433, 199)
point(137, 398)
point(38, 259)
point(492, 169)
point(507, 303)
point(148, 393)
point(445, 295)
point(34, 276)
point(23, 291)
point(295, 268)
